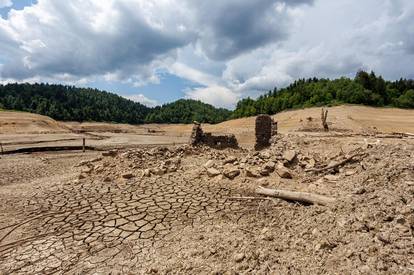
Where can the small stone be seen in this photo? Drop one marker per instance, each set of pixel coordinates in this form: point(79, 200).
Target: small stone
point(263, 182)
point(252, 173)
point(289, 155)
point(212, 172)
point(400, 219)
point(158, 171)
point(96, 159)
point(231, 173)
point(111, 153)
point(82, 163)
point(311, 163)
point(172, 168)
point(128, 176)
point(350, 173)
point(268, 168)
point(384, 237)
point(239, 257)
point(87, 170)
point(283, 172)
point(264, 155)
point(324, 246)
point(209, 164)
point(107, 179)
point(264, 172)
point(360, 191)
point(331, 177)
point(81, 176)
point(146, 173)
point(230, 159)
point(365, 269)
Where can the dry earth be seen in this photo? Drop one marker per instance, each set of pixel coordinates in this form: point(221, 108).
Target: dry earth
point(177, 210)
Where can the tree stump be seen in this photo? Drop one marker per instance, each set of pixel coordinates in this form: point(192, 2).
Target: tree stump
point(324, 116)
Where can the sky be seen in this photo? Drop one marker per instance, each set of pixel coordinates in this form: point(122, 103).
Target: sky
point(216, 51)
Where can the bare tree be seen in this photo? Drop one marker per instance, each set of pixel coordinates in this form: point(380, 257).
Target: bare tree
point(324, 116)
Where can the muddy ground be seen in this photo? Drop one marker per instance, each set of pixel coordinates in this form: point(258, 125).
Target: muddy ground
point(177, 209)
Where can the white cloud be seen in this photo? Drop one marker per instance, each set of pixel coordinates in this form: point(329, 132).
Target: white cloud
point(5, 3)
point(143, 100)
point(184, 71)
point(214, 95)
point(232, 48)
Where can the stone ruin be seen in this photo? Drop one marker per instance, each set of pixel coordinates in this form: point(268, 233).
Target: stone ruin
point(266, 128)
point(215, 141)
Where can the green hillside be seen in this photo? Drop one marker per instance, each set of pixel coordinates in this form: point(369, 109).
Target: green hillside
point(366, 88)
point(187, 111)
point(68, 103)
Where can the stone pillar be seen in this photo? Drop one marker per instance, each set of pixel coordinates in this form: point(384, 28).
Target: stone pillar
point(196, 134)
point(263, 131)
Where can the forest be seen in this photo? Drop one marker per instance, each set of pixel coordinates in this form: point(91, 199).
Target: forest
point(366, 89)
point(69, 103)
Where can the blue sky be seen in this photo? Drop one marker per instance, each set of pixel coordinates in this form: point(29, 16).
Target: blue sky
point(157, 51)
point(17, 5)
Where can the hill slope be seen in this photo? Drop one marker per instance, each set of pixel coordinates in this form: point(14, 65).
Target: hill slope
point(187, 111)
point(366, 89)
point(23, 123)
point(67, 103)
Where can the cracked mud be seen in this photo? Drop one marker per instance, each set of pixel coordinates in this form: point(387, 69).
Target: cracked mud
point(95, 222)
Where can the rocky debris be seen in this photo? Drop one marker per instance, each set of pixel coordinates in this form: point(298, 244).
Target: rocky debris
point(289, 155)
point(212, 172)
point(231, 173)
point(88, 162)
point(283, 172)
point(369, 228)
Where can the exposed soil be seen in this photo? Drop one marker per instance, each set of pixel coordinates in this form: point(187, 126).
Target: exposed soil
point(176, 209)
point(159, 211)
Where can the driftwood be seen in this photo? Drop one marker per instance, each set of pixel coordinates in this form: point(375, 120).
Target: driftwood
point(403, 134)
point(333, 165)
point(295, 196)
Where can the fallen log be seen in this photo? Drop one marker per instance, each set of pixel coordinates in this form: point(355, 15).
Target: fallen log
point(404, 134)
point(295, 196)
point(334, 165)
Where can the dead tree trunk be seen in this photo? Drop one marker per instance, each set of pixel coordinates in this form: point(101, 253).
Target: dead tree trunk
point(324, 116)
point(295, 196)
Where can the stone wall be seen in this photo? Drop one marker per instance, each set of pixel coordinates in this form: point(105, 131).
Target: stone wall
point(215, 141)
